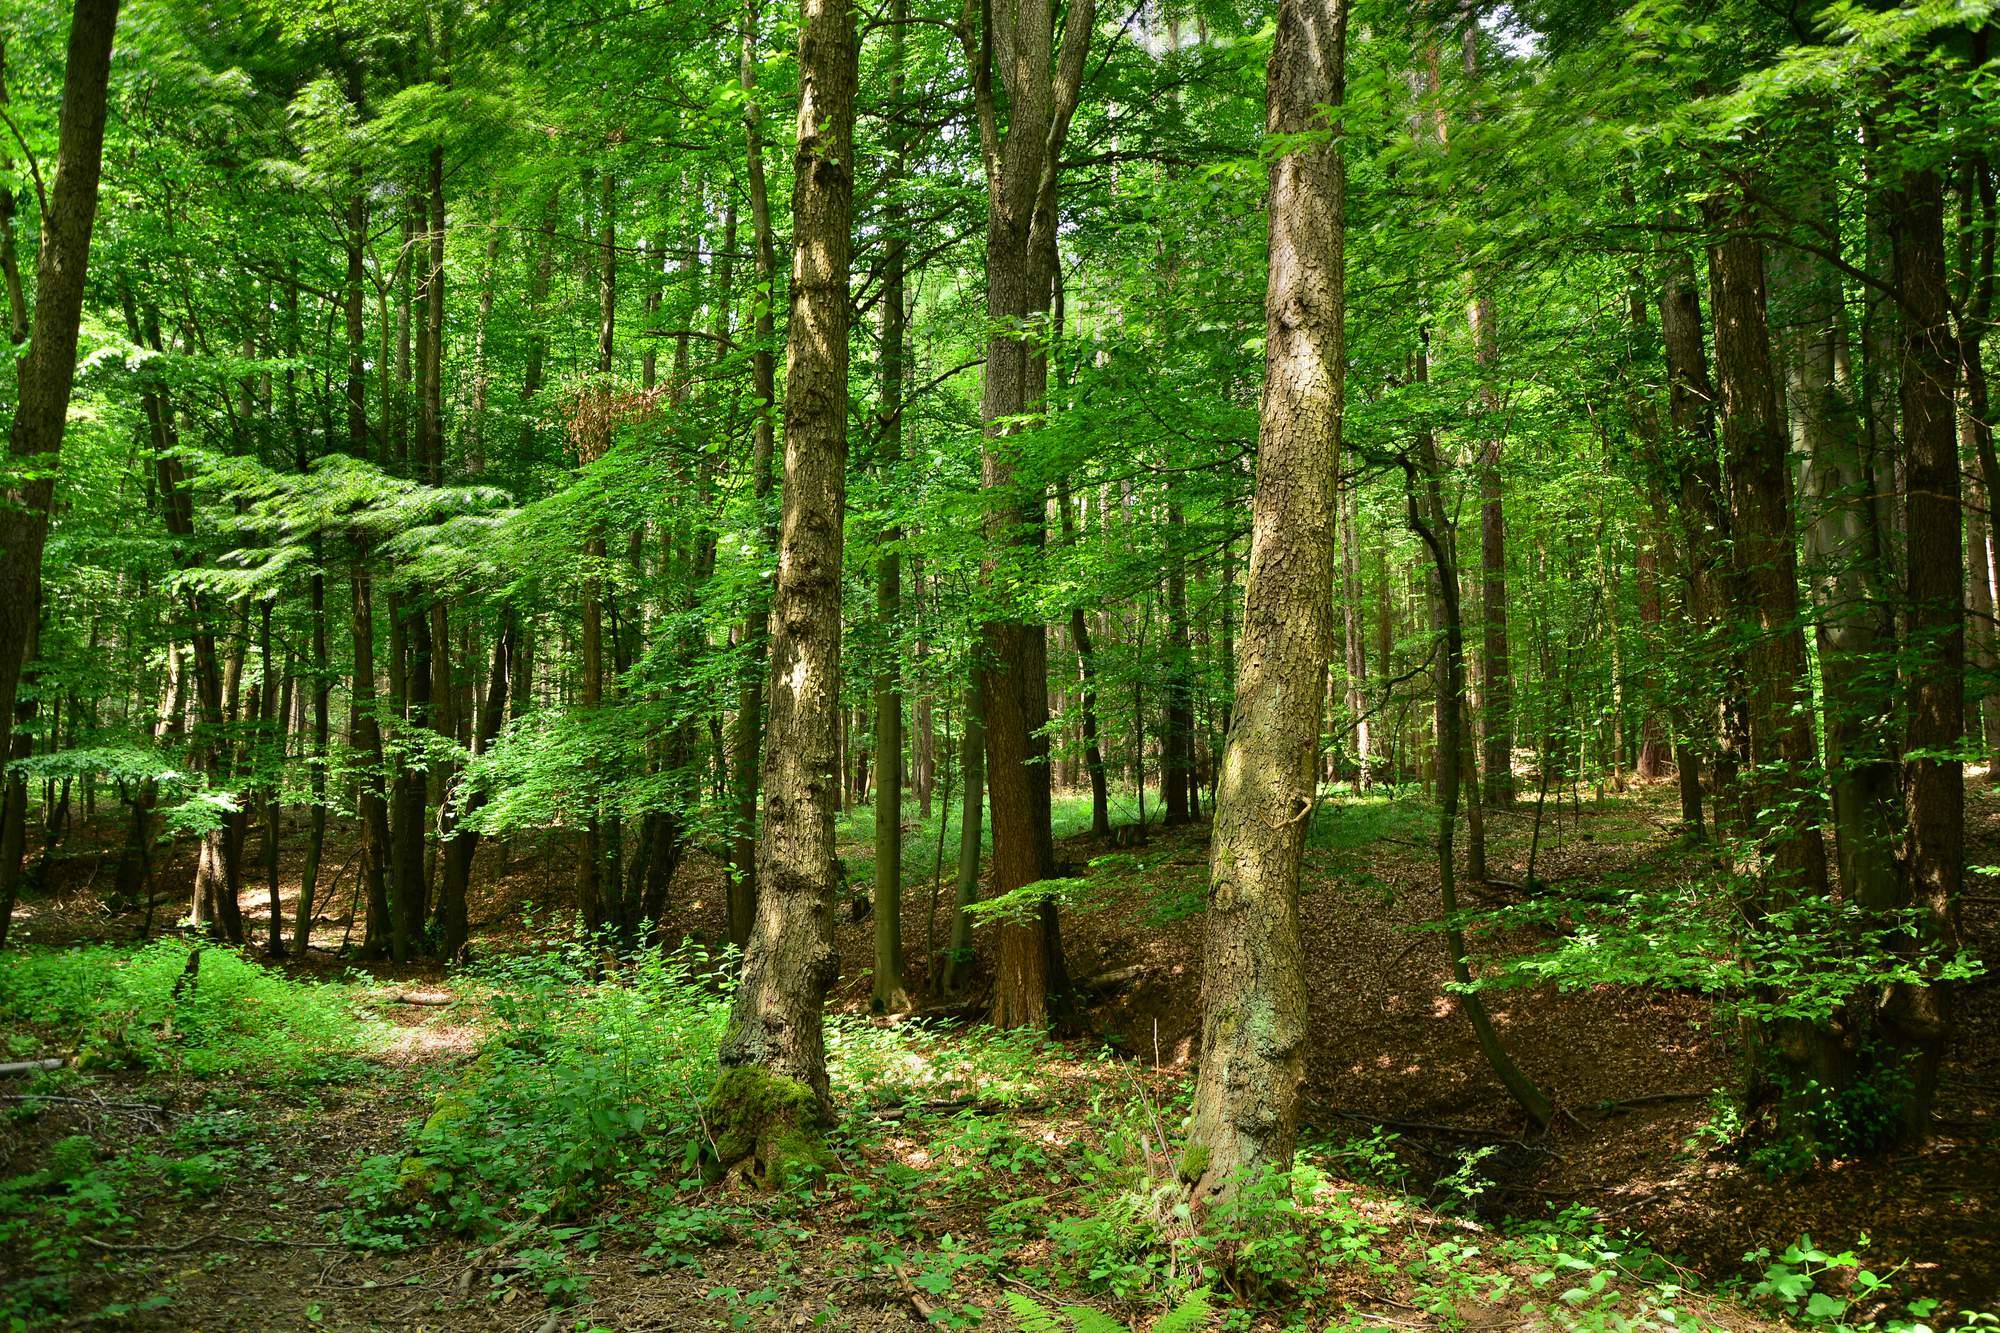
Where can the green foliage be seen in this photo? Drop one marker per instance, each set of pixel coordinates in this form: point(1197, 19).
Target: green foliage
point(1193, 1312)
point(231, 1018)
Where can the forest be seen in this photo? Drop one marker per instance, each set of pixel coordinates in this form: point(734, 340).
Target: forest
point(1013, 664)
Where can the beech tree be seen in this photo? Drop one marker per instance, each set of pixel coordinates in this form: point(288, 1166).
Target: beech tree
point(1253, 979)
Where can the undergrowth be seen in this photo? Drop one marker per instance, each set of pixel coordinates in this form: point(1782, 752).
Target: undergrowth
point(221, 1015)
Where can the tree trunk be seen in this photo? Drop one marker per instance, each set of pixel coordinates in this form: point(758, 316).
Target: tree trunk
point(45, 372)
point(1022, 167)
point(463, 844)
point(1253, 989)
point(972, 805)
point(1692, 456)
point(1177, 740)
point(1918, 1017)
point(748, 741)
point(773, 1093)
point(888, 994)
point(1431, 521)
point(1855, 626)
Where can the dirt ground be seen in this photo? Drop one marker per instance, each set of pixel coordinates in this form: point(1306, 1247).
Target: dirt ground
point(1631, 1070)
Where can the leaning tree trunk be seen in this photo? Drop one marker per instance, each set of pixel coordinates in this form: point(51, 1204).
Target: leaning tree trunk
point(1431, 521)
point(1253, 989)
point(773, 1094)
point(45, 373)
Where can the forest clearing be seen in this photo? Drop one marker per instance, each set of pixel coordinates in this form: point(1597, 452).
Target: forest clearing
point(1221, 664)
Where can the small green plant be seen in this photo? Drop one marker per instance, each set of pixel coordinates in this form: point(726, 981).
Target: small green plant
point(1193, 1312)
point(1792, 1281)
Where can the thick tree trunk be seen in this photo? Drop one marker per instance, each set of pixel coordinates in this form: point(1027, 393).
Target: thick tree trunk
point(45, 372)
point(1779, 792)
point(773, 1092)
point(1782, 749)
point(1855, 624)
point(1918, 1017)
point(1253, 989)
point(1022, 167)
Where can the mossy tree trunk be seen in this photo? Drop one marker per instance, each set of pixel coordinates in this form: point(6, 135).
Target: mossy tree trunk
point(1253, 993)
point(773, 1092)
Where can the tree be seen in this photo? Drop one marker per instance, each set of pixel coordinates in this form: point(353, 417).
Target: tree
point(44, 375)
point(774, 1093)
point(1253, 1001)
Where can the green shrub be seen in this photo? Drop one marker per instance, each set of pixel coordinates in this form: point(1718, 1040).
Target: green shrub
point(594, 1077)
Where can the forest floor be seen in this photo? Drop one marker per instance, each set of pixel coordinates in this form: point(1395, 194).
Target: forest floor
point(251, 1168)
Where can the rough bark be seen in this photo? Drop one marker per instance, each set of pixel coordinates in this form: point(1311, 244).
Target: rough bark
point(1782, 753)
point(1918, 1017)
point(773, 1091)
point(1253, 992)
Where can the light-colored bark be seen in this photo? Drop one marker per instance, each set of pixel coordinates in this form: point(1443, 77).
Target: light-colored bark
point(1254, 1005)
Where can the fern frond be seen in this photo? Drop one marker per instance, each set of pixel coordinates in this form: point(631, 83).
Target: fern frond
point(1191, 1315)
point(1083, 1319)
point(1030, 1315)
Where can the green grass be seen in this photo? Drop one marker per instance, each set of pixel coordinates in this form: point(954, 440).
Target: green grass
point(115, 1006)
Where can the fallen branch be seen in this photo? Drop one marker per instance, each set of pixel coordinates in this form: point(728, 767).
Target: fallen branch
point(1427, 1127)
point(923, 1307)
point(205, 1238)
point(430, 999)
point(14, 1068)
point(1650, 1099)
point(133, 1108)
point(899, 1112)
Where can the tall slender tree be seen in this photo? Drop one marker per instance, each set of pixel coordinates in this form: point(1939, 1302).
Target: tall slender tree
point(1253, 988)
point(774, 1093)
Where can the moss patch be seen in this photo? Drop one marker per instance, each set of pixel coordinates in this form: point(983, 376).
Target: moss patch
point(422, 1173)
point(765, 1127)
